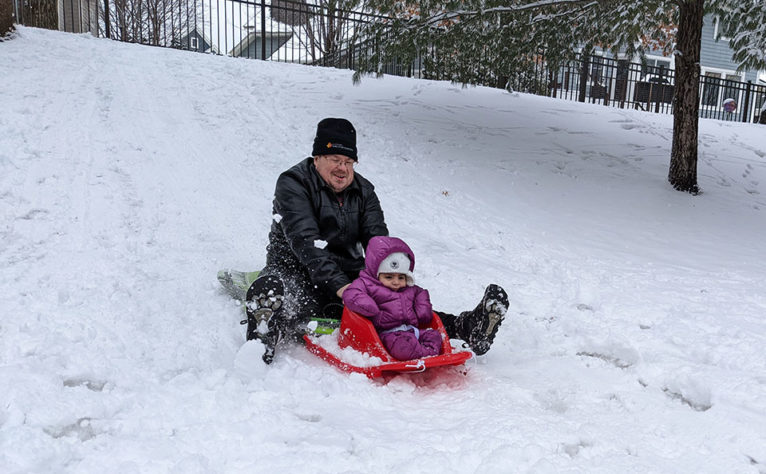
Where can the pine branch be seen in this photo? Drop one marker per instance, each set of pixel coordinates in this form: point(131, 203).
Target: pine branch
point(452, 15)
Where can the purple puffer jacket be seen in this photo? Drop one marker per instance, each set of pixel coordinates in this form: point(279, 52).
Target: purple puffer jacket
point(387, 308)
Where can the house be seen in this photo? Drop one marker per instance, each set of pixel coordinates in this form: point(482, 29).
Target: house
point(197, 40)
point(649, 85)
point(253, 44)
point(78, 16)
point(718, 73)
point(232, 28)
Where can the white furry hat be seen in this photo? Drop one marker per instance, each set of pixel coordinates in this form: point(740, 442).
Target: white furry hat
point(397, 262)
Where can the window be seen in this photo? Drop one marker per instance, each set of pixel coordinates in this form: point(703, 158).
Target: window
point(711, 84)
point(724, 29)
point(719, 86)
point(760, 103)
point(731, 89)
point(193, 43)
point(655, 66)
point(596, 69)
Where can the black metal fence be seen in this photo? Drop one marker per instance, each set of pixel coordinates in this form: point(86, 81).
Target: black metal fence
point(281, 30)
point(620, 83)
point(328, 34)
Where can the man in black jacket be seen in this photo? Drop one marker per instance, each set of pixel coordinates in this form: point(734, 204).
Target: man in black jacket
point(324, 216)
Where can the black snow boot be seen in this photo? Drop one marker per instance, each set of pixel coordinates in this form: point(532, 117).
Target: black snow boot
point(264, 306)
point(479, 327)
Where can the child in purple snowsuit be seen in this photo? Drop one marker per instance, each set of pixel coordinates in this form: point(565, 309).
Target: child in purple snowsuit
point(386, 293)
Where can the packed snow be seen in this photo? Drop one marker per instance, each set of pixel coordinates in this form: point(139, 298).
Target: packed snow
point(129, 175)
point(347, 354)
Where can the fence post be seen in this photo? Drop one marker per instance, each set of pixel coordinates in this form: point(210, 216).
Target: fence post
point(107, 21)
point(553, 81)
point(263, 29)
point(17, 12)
point(746, 108)
point(584, 76)
point(661, 87)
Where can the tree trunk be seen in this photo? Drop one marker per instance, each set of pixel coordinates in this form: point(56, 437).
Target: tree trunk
point(683, 156)
point(6, 17)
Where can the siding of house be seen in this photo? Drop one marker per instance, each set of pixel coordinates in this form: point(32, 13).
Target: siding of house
point(202, 45)
point(716, 54)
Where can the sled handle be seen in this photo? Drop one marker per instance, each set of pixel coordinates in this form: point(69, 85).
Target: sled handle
point(419, 366)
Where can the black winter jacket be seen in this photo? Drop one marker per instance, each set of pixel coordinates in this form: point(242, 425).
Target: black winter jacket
point(313, 230)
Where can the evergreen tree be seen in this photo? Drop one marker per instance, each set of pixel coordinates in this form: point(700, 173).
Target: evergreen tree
point(499, 42)
point(746, 22)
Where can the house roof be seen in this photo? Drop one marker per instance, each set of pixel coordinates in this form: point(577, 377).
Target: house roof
point(281, 37)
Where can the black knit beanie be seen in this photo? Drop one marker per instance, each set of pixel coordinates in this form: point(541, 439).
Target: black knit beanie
point(335, 136)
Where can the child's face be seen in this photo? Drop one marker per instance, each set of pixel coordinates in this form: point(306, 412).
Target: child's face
point(393, 281)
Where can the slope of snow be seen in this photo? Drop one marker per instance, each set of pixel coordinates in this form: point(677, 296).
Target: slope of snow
point(129, 175)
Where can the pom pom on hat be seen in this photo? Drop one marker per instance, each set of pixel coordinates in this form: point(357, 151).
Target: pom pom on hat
point(397, 262)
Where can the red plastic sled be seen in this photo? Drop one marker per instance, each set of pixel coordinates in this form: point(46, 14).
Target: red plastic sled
point(358, 333)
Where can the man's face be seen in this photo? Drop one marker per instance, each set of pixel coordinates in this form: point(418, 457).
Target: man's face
point(336, 170)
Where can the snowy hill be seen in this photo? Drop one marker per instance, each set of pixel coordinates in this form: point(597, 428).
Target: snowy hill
point(129, 175)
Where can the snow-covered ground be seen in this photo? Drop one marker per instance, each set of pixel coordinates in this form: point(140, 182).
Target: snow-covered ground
point(635, 339)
